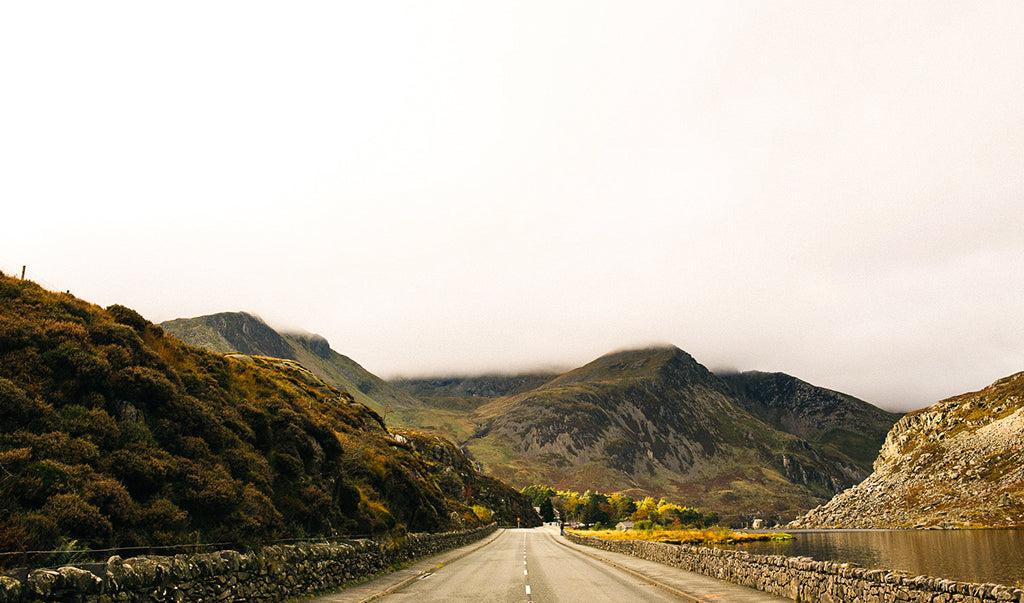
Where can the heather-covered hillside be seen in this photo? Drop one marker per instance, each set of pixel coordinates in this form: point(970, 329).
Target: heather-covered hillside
point(115, 434)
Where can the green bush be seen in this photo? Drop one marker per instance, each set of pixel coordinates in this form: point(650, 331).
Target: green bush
point(128, 317)
point(112, 499)
point(141, 468)
point(79, 519)
point(143, 385)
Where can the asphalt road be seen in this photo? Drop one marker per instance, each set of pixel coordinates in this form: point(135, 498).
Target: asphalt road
point(536, 565)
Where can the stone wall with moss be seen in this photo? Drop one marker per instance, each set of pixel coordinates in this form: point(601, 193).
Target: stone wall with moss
point(272, 573)
point(803, 579)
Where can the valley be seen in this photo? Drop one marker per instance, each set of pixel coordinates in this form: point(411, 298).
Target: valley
point(651, 422)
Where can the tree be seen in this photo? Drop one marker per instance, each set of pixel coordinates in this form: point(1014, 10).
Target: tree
point(547, 510)
point(623, 504)
point(537, 493)
point(647, 509)
point(592, 511)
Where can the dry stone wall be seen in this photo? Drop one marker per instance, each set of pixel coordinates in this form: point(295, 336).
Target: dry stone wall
point(273, 573)
point(803, 579)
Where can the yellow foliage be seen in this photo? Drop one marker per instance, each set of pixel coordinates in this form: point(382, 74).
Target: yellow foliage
point(694, 536)
point(483, 513)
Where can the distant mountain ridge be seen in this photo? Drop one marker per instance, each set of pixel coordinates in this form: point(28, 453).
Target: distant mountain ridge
point(958, 463)
point(656, 421)
point(471, 391)
point(244, 333)
point(647, 422)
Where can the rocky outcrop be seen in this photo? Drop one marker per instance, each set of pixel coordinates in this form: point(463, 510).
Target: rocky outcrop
point(957, 463)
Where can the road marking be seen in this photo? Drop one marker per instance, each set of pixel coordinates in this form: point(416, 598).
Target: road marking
point(410, 580)
point(649, 580)
point(526, 574)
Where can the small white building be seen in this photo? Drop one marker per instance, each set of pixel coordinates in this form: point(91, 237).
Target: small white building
point(622, 526)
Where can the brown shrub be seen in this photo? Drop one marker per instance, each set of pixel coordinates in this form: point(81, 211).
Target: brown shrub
point(79, 520)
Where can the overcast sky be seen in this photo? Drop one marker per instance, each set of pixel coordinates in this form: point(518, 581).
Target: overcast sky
point(834, 190)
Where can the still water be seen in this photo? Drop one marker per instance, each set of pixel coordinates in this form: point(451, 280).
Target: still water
point(966, 555)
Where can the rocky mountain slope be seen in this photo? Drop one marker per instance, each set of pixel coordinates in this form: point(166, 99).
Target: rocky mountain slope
point(656, 422)
point(240, 332)
point(957, 463)
point(838, 423)
point(114, 434)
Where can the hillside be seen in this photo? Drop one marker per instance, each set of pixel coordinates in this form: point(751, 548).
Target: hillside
point(239, 332)
point(957, 463)
point(838, 423)
point(656, 422)
point(449, 402)
point(469, 392)
point(115, 434)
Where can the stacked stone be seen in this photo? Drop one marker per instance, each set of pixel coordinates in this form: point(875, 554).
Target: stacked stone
point(273, 573)
point(804, 579)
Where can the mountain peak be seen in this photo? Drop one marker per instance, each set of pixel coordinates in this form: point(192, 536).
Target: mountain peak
point(228, 332)
point(246, 333)
point(666, 362)
point(317, 344)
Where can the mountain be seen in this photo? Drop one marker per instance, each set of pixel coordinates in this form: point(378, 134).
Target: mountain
point(958, 463)
point(113, 433)
point(656, 422)
point(646, 422)
point(239, 332)
point(838, 423)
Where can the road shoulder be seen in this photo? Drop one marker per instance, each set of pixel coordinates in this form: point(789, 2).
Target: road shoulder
point(698, 586)
point(384, 584)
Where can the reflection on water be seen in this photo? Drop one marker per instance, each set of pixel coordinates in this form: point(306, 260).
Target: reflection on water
point(965, 555)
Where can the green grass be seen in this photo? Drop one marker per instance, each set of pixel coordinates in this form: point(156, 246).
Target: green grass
point(453, 425)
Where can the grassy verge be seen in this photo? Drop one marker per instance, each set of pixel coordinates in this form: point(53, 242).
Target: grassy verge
point(686, 536)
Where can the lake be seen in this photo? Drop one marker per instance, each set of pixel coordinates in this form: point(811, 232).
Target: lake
point(965, 555)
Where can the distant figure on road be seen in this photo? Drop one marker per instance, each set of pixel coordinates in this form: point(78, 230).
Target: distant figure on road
point(561, 529)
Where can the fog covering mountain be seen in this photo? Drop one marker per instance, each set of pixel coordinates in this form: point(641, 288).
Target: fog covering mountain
point(958, 463)
point(647, 422)
point(113, 433)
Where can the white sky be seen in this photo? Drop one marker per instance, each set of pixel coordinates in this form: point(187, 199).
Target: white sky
point(829, 189)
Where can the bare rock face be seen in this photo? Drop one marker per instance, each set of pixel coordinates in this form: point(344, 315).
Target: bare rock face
point(958, 463)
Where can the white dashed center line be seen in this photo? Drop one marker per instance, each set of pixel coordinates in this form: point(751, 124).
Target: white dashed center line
point(526, 573)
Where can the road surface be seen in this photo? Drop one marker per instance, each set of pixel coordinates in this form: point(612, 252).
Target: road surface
point(536, 565)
